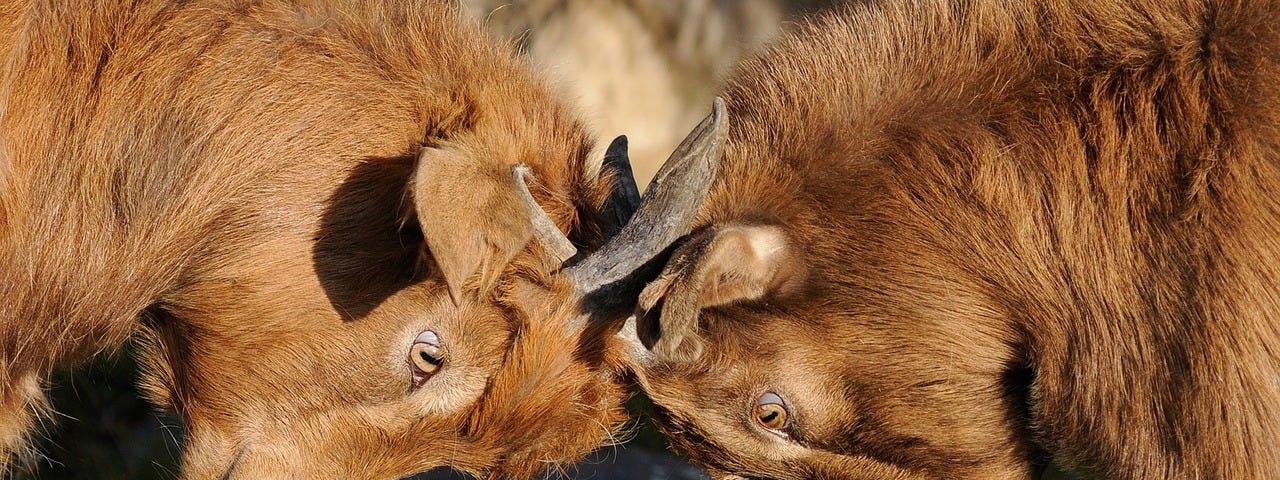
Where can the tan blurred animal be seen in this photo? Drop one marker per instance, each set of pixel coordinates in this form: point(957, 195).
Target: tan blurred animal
point(961, 239)
point(644, 68)
point(312, 212)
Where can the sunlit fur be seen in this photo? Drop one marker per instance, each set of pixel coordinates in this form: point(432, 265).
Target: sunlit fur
point(1033, 231)
point(231, 183)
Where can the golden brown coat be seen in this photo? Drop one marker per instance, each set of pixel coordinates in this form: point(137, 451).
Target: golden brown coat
point(1026, 231)
point(279, 196)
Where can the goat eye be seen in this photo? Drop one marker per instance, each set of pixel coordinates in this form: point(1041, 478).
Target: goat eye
point(771, 412)
point(426, 356)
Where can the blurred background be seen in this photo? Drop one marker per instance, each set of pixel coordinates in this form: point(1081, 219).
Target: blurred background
point(645, 68)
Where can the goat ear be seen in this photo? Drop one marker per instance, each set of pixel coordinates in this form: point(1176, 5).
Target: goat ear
point(718, 266)
point(471, 216)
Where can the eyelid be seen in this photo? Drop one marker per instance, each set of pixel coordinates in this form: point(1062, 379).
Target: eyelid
point(428, 336)
point(771, 397)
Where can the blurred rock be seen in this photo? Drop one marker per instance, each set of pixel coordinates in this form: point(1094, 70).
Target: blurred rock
point(644, 68)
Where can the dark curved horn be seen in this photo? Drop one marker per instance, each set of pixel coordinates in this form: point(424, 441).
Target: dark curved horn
point(624, 199)
point(666, 210)
point(544, 229)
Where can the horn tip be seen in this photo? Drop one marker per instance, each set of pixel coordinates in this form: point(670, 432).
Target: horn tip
point(617, 149)
point(718, 113)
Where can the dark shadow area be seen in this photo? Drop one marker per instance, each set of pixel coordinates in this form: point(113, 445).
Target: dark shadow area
point(618, 299)
point(607, 307)
point(363, 253)
point(610, 463)
point(1016, 382)
point(626, 462)
point(103, 429)
point(106, 431)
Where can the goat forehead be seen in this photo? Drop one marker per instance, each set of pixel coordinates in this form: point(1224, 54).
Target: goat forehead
point(807, 373)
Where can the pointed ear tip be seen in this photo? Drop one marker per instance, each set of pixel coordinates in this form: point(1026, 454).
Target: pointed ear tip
point(456, 295)
point(647, 300)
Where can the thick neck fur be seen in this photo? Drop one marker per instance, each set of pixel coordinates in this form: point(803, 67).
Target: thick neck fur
point(1091, 185)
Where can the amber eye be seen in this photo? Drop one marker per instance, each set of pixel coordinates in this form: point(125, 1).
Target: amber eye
point(771, 412)
point(425, 356)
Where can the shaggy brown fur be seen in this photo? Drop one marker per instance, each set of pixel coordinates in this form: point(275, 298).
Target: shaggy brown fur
point(243, 184)
point(1024, 231)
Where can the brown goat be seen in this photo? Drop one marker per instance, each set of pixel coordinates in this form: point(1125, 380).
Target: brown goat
point(962, 239)
point(307, 209)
